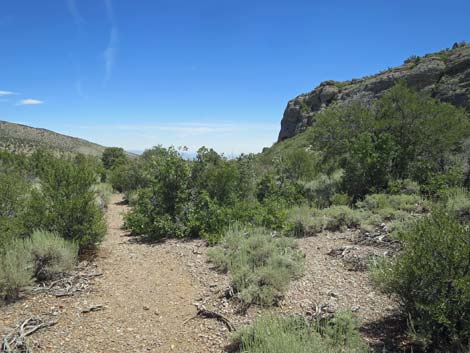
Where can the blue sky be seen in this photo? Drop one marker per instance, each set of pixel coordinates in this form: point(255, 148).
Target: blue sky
point(217, 73)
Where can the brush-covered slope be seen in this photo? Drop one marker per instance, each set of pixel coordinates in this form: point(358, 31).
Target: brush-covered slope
point(445, 75)
point(25, 139)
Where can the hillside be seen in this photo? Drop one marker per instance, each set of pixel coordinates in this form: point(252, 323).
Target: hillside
point(24, 139)
point(445, 75)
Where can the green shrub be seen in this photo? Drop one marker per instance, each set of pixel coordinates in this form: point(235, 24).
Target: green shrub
point(403, 202)
point(65, 204)
point(162, 208)
point(281, 334)
point(113, 157)
point(340, 199)
point(304, 221)
point(458, 203)
point(320, 190)
point(14, 199)
point(341, 217)
point(50, 254)
point(259, 264)
point(103, 192)
point(15, 269)
point(431, 279)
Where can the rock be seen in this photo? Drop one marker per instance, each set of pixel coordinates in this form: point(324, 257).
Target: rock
point(445, 75)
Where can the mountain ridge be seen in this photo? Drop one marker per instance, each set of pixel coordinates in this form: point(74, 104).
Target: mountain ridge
point(20, 138)
point(445, 75)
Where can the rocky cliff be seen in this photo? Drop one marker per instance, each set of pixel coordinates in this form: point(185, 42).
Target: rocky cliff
point(445, 75)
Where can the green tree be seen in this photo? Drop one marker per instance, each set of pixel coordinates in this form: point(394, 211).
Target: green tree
point(113, 157)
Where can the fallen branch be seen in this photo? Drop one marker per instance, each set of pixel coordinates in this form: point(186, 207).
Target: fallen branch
point(68, 285)
point(208, 314)
point(96, 307)
point(15, 341)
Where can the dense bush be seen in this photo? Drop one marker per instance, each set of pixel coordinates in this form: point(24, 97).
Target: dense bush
point(281, 334)
point(50, 254)
point(15, 269)
point(40, 256)
point(405, 135)
point(259, 264)
point(14, 200)
point(431, 279)
point(113, 157)
point(103, 192)
point(66, 204)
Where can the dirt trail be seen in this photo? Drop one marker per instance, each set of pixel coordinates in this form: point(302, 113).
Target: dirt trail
point(147, 294)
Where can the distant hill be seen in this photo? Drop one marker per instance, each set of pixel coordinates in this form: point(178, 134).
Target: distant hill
point(25, 139)
point(445, 75)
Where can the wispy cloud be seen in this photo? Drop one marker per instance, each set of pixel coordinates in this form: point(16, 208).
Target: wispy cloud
point(110, 52)
point(184, 129)
point(30, 101)
point(229, 137)
point(79, 88)
point(6, 93)
point(73, 9)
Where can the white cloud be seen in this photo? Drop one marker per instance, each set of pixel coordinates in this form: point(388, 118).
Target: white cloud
point(73, 9)
point(6, 93)
point(30, 101)
point(110, 52)
point(231, 138)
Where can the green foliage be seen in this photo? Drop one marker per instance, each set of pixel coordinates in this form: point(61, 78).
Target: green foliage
point(50, 254)
point(103, 192)
point(113, 157)
point(320, 190)
point(431, 279)
point(14, 194)
point(65, 204)
point(304, 221)
point(457, 202)
point(160, 210)
point(15, 269)
point(40, 256)
point(281, 334)
point(259, 264)
point(404, 135)
point(403, 202)
point(368, 166)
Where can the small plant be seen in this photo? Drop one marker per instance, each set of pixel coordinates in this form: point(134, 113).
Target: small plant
point(259, 264)
point(50, 254)
point(281, 334)
point(304, 221)
point(15, 270)
point(431, 279)
point(103, 192)
point(458, 203)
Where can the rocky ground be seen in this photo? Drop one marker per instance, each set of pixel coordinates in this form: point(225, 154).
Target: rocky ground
point(145, 297)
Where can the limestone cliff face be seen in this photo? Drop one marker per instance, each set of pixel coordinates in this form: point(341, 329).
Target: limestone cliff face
point(445, 75)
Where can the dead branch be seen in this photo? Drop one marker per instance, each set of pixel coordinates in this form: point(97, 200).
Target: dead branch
point(15, 341)
point(96, 307)
point(69, 284)
point(208, 314)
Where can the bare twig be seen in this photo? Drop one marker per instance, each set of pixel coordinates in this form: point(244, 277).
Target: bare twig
point(15, 341)
point(208, 314)
point(96, 307)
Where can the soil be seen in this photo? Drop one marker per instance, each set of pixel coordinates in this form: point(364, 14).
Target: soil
point(150, 294)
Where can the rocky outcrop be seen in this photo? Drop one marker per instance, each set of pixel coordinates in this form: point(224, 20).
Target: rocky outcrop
point(445, 75)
